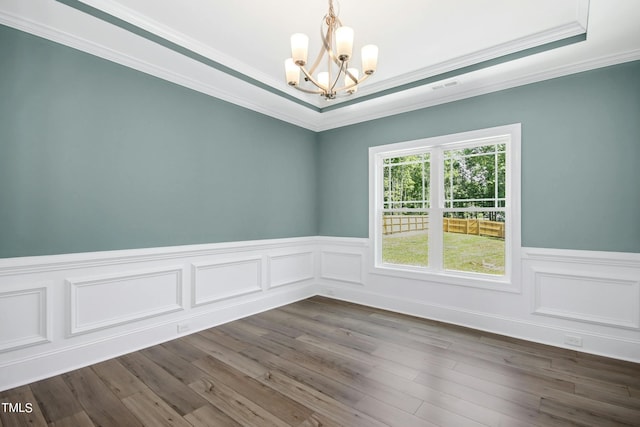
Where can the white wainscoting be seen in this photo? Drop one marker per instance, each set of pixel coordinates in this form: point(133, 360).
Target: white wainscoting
point(592, 295)
point(115, 299)
point(291, 268)
point(62, 312)
point(342, 266)
point(24, 316)
point(215, 281)
point(572, 295)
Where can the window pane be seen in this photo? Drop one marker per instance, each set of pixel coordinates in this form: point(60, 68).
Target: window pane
point(405, 238)
point(475, 177)
point(474, 242)
point(406, 182)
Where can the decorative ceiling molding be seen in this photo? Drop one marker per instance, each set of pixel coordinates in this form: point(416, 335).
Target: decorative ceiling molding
point(248, 101)
point(458, 78)
point(129, 20)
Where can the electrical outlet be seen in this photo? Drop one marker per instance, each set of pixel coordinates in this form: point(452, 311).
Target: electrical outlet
point(183, 327)
point(573, 340)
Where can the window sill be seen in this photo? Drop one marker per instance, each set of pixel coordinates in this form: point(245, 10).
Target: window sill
point(488, 282)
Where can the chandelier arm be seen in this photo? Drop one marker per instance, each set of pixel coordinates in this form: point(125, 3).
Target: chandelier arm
point(352, 77)
point(320, 54)
point(326, 44)
point(346, 87)
point(310, 78)
point(340, 71)
point(314, 92)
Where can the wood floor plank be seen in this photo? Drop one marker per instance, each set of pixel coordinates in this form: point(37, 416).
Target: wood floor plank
point(81, 419)
point(583, 416)
point(514, 377)
point(614, 372)
point(326, 363)
point(413, 358)
point(315, 328)
point(616, 395)
point(226, 355)
point(118, 378)
point(334, 409)
point(210, 416)
point(462, 351)
point(345, 370)
point(152, 411)
point(322, 383)
point(525, 346)
point(288, 410)
point(582, 409)
point(442, 417)
point(219, 337)
point(176, 366)
point(237, 331)
point(21, 395)
point(175, 393)
point(462, 399)
point(391, 415)
point(182, 349)
point(376, 362)
point(100, 404)
point(55, 399)
point(524, 399)
point(235, 405)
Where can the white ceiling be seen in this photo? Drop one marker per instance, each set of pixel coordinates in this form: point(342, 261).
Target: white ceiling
point(234, 50)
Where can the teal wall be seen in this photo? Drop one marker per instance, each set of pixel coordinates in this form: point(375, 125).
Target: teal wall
point(95, 156)
point(580, 158)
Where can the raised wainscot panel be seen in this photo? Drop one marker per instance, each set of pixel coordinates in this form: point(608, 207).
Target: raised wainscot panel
point(342, 266)
point(612, 301)
point(24, 318)
point(215, 281)
point(290, 268)
point(105, 301)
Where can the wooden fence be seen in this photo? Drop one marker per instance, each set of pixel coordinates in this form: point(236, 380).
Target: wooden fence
point(392, 224)
point(479, 227)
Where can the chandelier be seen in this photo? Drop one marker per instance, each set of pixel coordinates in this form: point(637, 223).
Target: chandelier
point(338, 78)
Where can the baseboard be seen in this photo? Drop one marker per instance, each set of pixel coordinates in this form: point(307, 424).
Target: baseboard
point(602, 345)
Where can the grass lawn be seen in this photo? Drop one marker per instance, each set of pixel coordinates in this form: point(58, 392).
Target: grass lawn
point(462, 252)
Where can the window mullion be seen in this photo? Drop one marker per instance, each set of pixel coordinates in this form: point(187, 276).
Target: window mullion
point(435, 213)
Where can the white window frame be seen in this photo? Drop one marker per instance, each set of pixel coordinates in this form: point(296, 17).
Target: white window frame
point(509, 135)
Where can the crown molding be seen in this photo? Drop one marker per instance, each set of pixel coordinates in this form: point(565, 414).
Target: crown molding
point(414, 99)
point(246, 95)
point(145, 23)
point(524, 43)
point(142, 25)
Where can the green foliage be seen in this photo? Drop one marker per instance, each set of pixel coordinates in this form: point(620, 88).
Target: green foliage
point(406, 181)
point(473, 177)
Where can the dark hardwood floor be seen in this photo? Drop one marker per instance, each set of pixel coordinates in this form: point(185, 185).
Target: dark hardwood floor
point(321, 362)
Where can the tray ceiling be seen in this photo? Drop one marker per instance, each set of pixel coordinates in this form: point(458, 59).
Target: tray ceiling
point(430, 51)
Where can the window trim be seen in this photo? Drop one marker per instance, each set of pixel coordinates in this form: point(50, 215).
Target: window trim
point(510, 282)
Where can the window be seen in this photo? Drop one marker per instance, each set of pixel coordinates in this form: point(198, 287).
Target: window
point(448, 206)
